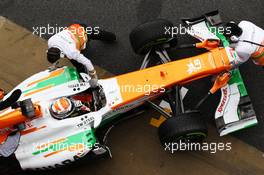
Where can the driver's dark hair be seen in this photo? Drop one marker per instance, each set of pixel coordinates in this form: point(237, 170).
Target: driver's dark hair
point(232, 29)
point(53, 54)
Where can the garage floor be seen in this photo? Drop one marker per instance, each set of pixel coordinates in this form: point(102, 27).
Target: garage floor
point(134, 144)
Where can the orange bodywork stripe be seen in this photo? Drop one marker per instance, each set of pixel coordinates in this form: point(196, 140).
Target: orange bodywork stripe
point(39, 90)
point(70, 148)
point(177, 72)
point(53, 74)
point(25, 132)
point(54, 142)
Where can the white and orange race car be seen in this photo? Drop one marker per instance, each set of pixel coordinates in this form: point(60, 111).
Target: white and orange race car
point(43, 139)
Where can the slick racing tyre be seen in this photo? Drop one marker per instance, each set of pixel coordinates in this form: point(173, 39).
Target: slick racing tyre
point(150, 34)
point(187, 127)
point(10, 165)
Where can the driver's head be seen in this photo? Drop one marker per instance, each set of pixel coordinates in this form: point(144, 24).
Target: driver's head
point(61, 106)
point(232, 29)
point(54, 54)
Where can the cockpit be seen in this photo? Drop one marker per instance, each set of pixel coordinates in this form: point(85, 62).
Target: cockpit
point(91, 100)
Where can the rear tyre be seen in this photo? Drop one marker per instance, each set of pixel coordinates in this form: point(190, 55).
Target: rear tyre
point(187, 127)
point(150, 34)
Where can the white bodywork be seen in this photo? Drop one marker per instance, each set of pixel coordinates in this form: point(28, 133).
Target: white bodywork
point(57, 142)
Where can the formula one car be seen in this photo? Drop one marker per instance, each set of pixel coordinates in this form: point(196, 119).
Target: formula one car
point(51, 119)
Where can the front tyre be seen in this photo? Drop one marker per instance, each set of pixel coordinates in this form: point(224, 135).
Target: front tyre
point(186, 128)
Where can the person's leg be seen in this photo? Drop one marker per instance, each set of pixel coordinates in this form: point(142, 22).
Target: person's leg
point(102, 35)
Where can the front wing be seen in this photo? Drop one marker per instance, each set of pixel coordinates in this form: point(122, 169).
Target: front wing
point(235, 110)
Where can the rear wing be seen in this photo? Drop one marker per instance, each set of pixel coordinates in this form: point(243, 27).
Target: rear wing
point(213, 18)
point(204, 27)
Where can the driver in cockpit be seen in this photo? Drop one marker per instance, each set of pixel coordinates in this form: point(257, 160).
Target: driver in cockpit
point(69, 107)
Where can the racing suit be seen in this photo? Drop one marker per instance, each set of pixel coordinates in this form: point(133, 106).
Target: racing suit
point(245, 50)
point(70, 42)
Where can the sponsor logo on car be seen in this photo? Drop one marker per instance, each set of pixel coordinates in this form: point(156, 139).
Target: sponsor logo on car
point(223, 101)
point(194, 66)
